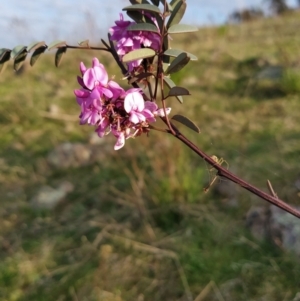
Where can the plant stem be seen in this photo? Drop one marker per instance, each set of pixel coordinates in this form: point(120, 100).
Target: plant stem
point(225, 173)
point(87, 48)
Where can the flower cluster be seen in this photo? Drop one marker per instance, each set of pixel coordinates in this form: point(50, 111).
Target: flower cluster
point(127, 40)
point(110, 108)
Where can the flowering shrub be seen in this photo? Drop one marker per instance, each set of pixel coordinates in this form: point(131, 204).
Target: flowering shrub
point(141, 48)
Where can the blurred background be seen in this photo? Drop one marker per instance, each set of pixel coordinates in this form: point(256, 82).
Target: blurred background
point(75, 20)
point(80, 221)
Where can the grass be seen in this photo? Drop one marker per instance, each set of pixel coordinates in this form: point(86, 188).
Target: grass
point(137, 225)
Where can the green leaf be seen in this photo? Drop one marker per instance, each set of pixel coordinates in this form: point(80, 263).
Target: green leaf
point(165, 66)
point(84, 43)
point(179, 8)
point(136, 16)
point(177, 91)
point(138, 54)
point(178, 63)
point(4, 52)
point(142, 27)
point(175, 52)
point(155, 2)
point(59, 55)
point(182, 28)
point(35, 45)
point(187, 122)
point(36, 54)
point(19, 59)
point(171, 84)
point(4, 58)
point(17, 50)
point(133, 2)
point(145, 7)
point(56, 44)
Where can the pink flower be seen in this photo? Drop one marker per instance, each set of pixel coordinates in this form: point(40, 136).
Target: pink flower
point(103, 128)
point(131, 40)
point(90, 107)
point(120, 140)
point(134, 105)
point(96, 78)
point(110, 109)
point(139, 110)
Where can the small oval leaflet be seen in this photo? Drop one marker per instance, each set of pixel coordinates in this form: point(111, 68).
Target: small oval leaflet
point(177, 91)
point(142, 27)
point(155, 2)
point(35, 45)
point(182, 28)
point(136, 16)
point(138, 54)
point(178, 63)
point(17, 50)
point(56, 44)
point(171, 84)
point(59, 55)
point(144, 7)
point(179, 8)
point(133, 2)
point(19, 59)
point(187, 122)
point(36, 54)
point(4, 52)
point(175, 52)
point(4, 57)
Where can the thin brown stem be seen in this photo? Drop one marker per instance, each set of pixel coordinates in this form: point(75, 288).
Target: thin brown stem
point(225, 173)
point(87, 48)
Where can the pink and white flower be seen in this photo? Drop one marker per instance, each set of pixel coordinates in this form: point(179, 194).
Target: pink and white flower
point(110, 109)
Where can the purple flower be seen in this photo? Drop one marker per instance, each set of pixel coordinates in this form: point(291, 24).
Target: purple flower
point(134, 105)
point(131, 40)
point(110, 109)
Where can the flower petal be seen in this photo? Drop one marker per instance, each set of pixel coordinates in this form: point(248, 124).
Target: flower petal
point(120, 141)
point(134, 102)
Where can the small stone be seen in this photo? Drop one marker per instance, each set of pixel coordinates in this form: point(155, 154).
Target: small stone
point(68, 155)
point(47, 197)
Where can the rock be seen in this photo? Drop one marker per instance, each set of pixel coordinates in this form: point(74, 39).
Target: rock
point(47, 197)
point(285, 230)
point(72, 155)
point(276, 225)
point(297, 297)
point(68, 155)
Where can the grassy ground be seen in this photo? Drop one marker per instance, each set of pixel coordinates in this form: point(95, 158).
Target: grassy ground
point(137, 225)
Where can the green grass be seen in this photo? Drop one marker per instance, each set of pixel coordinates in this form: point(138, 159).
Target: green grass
point(151, 191)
